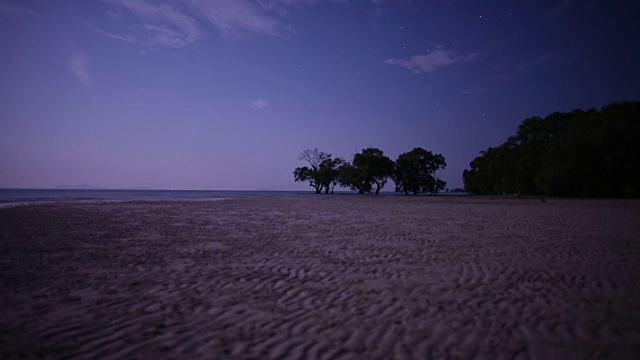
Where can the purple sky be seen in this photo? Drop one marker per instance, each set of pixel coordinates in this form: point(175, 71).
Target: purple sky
point(224, 94)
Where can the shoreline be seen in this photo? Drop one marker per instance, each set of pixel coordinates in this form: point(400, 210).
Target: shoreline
point(19, 197)
point(398, 277)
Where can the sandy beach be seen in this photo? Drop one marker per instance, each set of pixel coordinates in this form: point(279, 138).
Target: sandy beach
point(329, 277)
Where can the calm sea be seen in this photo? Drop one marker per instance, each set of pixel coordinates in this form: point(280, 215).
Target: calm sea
point(15, 197)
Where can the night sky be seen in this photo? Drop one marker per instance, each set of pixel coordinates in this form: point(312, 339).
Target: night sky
point(224, 94)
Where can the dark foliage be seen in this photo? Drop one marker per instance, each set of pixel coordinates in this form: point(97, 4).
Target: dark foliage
point(354, 178)
point(322, 173)
point(414, 172)
point(369, 167)
point(579, 154)
point(328, 173)
point(370, 170)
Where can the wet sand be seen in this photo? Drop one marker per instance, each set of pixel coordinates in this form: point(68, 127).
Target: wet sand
point(342, 277)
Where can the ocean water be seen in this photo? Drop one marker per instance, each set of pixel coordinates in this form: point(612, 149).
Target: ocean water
point(16, 197)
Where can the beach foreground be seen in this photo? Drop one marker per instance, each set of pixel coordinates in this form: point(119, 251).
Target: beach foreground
point(341, 277)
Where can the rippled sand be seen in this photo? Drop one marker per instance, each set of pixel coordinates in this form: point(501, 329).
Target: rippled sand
point(330, 277)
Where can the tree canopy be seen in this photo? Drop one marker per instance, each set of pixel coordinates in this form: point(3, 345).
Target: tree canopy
point(354, 178)
point(369, 167)
point(370, 170)
point(414, 172)
point(328, 173)
point(581, 153)
point(323, 170)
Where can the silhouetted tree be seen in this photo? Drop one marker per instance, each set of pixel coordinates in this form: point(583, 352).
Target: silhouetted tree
point(328, 172)
point(369, 167)
point(317, 175)
point(414, 172)
point(580, 153)
point(354, 178)
point(306, 174)
point(375, 166)
point(478, 179)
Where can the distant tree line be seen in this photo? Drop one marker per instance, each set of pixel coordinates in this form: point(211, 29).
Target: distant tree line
point(578, 154)
point(413, 172)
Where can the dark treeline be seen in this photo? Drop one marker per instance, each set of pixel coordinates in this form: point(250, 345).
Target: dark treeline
point(578, 154)
point(368, 172)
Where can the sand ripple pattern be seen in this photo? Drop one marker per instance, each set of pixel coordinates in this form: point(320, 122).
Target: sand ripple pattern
point(342, 277)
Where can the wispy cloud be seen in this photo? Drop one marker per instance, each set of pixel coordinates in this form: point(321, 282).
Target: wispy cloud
point(233, 16)
point(108, 34)
point(543, 61)
point(428, 63)
point(172, 26)
point(11, 8)
point(167, 36)
point(259, 104)
point(282, 5)
point(78, 66)
point(178, 23)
